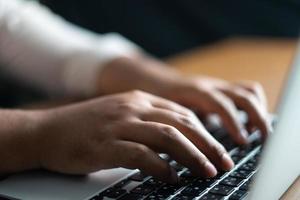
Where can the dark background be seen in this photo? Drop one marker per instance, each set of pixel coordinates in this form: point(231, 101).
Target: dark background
point(166, 27)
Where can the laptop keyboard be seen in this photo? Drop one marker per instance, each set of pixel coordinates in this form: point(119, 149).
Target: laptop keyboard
point(232, 185)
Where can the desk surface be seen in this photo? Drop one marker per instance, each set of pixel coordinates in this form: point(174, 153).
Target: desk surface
point(264, 60)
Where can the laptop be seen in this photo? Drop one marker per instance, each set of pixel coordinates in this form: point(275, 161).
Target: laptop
point(261, 172)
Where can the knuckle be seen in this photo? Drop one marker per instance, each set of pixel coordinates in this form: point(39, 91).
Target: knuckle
point(188, 122)
point(139, 151)
point(218, 149)
point(137, 93)
point(127, 107)
point(169, 133)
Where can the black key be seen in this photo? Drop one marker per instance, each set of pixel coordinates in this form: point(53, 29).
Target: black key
point(204, 182)
point(236, 159)
point(138, 177)
point(238, 195)
point(154, 182)
point(249, 166)
point(220, 175)
point(155, 196)
point(253, 160)
point(177, 166)
point(184, 181)
point(240, 173)
point(115, 193)
point(221, 190)
point(187, 174)
point(210, 196)
point(192, 191)
point(183, 197)
point(167, 190)
point(245, 186)
point(231, 181)
point(131, 196)
point(142, 189)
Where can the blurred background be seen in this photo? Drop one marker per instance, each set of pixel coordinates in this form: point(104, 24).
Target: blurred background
point(164, 28)
point(169, 29)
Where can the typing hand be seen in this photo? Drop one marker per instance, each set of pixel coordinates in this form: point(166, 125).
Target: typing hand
point(127, 130)
point(204, 94)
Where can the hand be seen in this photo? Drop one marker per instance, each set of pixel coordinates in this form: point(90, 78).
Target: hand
point(127, 130)
point(204, 94)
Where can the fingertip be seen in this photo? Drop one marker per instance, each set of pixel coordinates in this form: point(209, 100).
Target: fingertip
point(227, 162)
point(210, 170)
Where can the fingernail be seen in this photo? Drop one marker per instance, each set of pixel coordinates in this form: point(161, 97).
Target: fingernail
point(210, 169)
point(174, 176)
point(227, 162)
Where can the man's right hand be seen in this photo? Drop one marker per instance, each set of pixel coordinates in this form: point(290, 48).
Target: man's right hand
point(127, 130)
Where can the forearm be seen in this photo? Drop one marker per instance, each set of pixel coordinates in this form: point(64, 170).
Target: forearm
point(18, 141)
point(136, 72)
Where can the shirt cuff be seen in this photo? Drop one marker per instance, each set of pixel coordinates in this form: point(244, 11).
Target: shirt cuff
point(83, 67)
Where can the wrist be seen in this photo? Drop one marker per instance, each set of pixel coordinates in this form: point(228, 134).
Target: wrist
point(19, 145)
point(140, 72)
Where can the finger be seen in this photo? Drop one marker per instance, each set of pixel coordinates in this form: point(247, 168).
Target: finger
point(167, 139)
point(255, 89)
point(138, 156)
point(159, 102)
point(248, 102)
point(192, 128)
point(225, 108)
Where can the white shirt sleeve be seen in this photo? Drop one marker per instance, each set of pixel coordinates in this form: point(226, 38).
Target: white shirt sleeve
point(43, 50)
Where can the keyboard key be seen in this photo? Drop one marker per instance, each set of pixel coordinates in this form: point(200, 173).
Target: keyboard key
point(131, 196)
point(187, 174)
point(139, 177)
point(253, 160)
point(220, 175)
point(177, 166)
point(156, 196)
point(236, 159)
point(231, 181)
point(166, 190)
point(142, 189)
point(193, 190)
point(184, 181)
point(204, 182)
point(249, 166)
point(238, 195)
point(154, 182)
point(245, 186)
point(210, 196)
point(221, 190)
point(183, 197)
point(240, 173)
point(115, 193)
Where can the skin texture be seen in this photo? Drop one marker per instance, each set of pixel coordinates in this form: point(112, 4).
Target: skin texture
point(205, 95)
point(127, 127)
point(127, 130)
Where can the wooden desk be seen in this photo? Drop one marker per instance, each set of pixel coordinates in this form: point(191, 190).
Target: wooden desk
point(264, 60)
